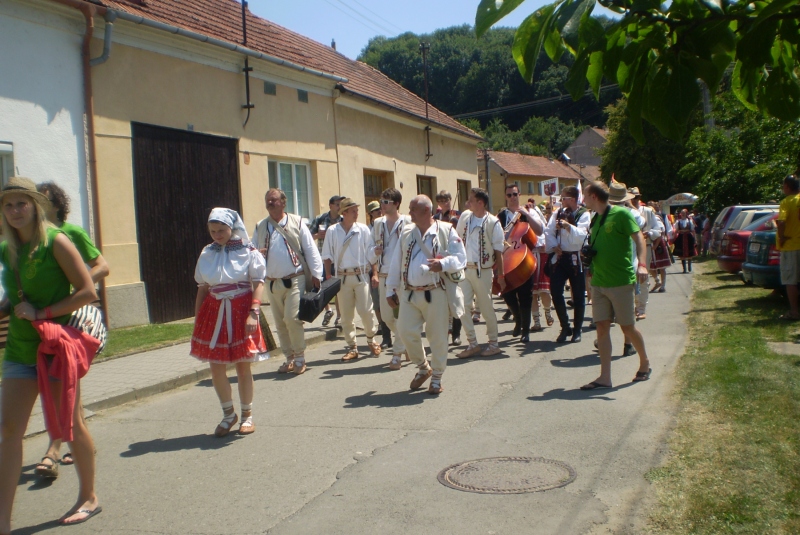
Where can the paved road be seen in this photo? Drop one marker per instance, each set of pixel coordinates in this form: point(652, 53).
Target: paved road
point(346, 448)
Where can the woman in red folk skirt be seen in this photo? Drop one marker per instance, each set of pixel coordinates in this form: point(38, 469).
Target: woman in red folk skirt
point(230, 276)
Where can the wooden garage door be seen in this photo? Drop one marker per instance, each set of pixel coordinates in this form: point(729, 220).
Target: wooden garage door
point(178, 178)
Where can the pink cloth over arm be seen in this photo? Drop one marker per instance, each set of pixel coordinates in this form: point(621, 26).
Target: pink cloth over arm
point(72, 352)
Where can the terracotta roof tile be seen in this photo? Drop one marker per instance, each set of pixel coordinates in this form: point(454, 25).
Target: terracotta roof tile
point(539, 166)
point(222, 19)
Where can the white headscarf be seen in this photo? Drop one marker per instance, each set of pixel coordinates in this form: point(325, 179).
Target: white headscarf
point(229, 217)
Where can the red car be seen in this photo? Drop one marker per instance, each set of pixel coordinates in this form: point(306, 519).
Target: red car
point(733, 248)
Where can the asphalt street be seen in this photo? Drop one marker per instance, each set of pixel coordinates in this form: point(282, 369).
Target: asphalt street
point(347, 448)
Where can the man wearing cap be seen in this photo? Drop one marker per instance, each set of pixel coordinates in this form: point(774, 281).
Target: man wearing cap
point(565, 235)
point(652, 229)
point(420, 282)
point(349, 244)
point(319, 227)
point(292, 263)
point(613, 275)
point(386, 234)
point(483, 241)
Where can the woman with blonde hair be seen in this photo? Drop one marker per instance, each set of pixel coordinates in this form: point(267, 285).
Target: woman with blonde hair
point(45, 279)
point(230, 277)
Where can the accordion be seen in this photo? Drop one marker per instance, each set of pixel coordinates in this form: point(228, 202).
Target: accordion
point(313, 303)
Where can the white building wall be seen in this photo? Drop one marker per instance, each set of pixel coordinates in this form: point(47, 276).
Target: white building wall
point(41, 98)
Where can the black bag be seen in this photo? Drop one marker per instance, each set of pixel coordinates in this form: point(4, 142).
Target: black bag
point(549, 266)
point(313, 303)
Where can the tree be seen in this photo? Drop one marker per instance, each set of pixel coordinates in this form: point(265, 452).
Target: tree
point(742, 161)
point(652, 167)
point(537, 137)
point(657, 51)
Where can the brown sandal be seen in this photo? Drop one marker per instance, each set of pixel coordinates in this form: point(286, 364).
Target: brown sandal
point(46, 470)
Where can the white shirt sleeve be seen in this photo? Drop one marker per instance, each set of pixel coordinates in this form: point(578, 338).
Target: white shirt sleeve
point(393, 278)
point(258, 266)
point(498, 238)
point(550, 234)
point(456, 258)
point(327, 245)
point(372, 258)
point(313, 258)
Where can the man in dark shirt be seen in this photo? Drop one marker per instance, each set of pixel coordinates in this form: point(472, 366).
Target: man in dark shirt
point(318, 228)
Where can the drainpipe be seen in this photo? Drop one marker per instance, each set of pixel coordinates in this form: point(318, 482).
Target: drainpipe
point(89, 11)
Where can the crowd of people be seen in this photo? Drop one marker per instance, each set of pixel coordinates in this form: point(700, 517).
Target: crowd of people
point(431, 271)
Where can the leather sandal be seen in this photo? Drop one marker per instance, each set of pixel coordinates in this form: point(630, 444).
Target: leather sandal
point(49, 471)
point(420, 378)
point(396, 362)
point(376, 349)
point(352, 354)
point(247, 427)
point(286, 367)
point(226, 425)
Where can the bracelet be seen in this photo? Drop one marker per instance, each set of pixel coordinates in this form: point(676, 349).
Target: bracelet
point(256, 302)
point(48, 313)
point(642, 265)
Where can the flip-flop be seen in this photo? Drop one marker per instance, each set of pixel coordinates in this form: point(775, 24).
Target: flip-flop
point(594, 385)
point(89, 512)
point(67, 459)
point(642, 376)
point(789, 317)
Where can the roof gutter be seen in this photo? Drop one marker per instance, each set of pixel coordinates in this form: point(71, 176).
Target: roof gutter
point(344, 89)
point(138, 19)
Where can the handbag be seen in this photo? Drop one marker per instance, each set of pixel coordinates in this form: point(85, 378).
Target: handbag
point(314, 302)
point(87, 319)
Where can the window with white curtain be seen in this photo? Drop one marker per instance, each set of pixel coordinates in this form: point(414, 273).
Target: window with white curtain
point(295, 181)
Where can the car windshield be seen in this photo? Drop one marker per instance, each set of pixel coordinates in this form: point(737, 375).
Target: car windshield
point(754, 226)
point(721, 216)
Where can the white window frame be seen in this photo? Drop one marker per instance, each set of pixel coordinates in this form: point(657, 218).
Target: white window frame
point(6, 162)
point(295, 198)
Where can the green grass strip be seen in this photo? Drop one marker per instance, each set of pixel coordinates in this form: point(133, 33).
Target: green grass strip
point(734, 463)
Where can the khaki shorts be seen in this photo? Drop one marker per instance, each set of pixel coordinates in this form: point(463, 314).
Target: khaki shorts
point(615, 302)
point(790, 265)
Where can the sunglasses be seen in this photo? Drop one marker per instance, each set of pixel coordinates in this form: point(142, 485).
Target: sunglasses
point(509, 195)
point(387, 201)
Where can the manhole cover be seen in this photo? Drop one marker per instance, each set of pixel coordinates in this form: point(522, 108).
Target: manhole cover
point(507, 475)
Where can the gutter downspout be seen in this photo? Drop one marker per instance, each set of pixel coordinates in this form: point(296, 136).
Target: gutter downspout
point(89, 11)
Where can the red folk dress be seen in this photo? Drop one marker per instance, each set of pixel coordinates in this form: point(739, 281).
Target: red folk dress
point(219, 330)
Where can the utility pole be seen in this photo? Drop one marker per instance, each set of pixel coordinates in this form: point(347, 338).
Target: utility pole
point(424, 47)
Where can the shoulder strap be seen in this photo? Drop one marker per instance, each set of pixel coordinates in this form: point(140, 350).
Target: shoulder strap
point(20, 293)
point(294, 243)
point(347, 238)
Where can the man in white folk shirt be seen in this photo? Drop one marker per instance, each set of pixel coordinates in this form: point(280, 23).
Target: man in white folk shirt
point(293, 263)
point(429, 256)
point(349, 245)
point(482, 235)
point(386, 233)
point(652, 229)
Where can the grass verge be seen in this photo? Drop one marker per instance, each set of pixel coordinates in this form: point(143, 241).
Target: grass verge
point(734, 463)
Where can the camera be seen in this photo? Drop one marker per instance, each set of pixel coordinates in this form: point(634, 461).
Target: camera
point(587, 254)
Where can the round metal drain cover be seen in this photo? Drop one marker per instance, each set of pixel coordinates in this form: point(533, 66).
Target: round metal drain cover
point(507, 475)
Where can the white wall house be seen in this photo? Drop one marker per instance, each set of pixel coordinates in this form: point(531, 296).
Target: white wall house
point(41, 99)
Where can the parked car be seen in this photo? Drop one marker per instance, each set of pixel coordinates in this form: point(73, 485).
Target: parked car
point(726, 217)
point(762, 266)
point(733, 249)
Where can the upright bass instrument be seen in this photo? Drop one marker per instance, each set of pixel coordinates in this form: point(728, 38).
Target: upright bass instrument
point(519, 263)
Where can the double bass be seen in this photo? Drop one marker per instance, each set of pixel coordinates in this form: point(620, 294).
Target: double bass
point(519, 263)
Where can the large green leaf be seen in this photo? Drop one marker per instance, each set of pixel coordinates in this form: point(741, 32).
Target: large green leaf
point(491, 11)
point(576, 79)
point(595, 72)
point(781, 96)
point(683, 96)
point(773, 8)
point(744, 83)
point(755, 46)
point(568, 21)
point(529, 38)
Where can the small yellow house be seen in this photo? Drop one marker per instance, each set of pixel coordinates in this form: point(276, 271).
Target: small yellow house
point(534, 175)
point(189, 113)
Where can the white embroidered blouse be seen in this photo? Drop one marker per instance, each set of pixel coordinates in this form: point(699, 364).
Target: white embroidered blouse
point(232, 263)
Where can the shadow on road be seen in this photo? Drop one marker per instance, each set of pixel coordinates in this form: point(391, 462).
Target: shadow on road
point(381, 367)
point(579, 395)
point(404, 398)
point(585, 361)
point(44, 526)
point(195, 442)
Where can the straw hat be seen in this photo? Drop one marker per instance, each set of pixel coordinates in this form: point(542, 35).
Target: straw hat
point(19, 184)
point(634, 191)
point(372, 206)
point(618, 193)
point(346, 203)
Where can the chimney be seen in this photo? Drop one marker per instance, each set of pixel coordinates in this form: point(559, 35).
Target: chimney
point(333, 44)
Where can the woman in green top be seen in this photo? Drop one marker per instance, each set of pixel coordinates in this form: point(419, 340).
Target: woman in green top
point(48, 266)
point(57, 214)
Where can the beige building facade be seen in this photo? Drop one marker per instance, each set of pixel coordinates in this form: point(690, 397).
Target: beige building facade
point(309, 135)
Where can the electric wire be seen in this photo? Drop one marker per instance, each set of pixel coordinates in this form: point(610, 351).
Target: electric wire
point(369, 20)
point(399, 29)
point(524, 105)
point(364, 24)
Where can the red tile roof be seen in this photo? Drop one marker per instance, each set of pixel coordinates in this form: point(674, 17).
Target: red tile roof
point(538, 166)
point(222, 19)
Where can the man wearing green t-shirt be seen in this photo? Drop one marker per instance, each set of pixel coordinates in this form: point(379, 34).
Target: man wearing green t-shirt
point(787, 242)
point(613, 276)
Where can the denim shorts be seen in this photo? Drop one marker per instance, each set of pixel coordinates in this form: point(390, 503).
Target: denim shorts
point(15, 370)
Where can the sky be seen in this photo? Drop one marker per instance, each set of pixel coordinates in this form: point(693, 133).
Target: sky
point(352, 23)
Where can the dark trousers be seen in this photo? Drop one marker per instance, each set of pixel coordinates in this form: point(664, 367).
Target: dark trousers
point(456, 328)
point(520, 301)
point(565, 271)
